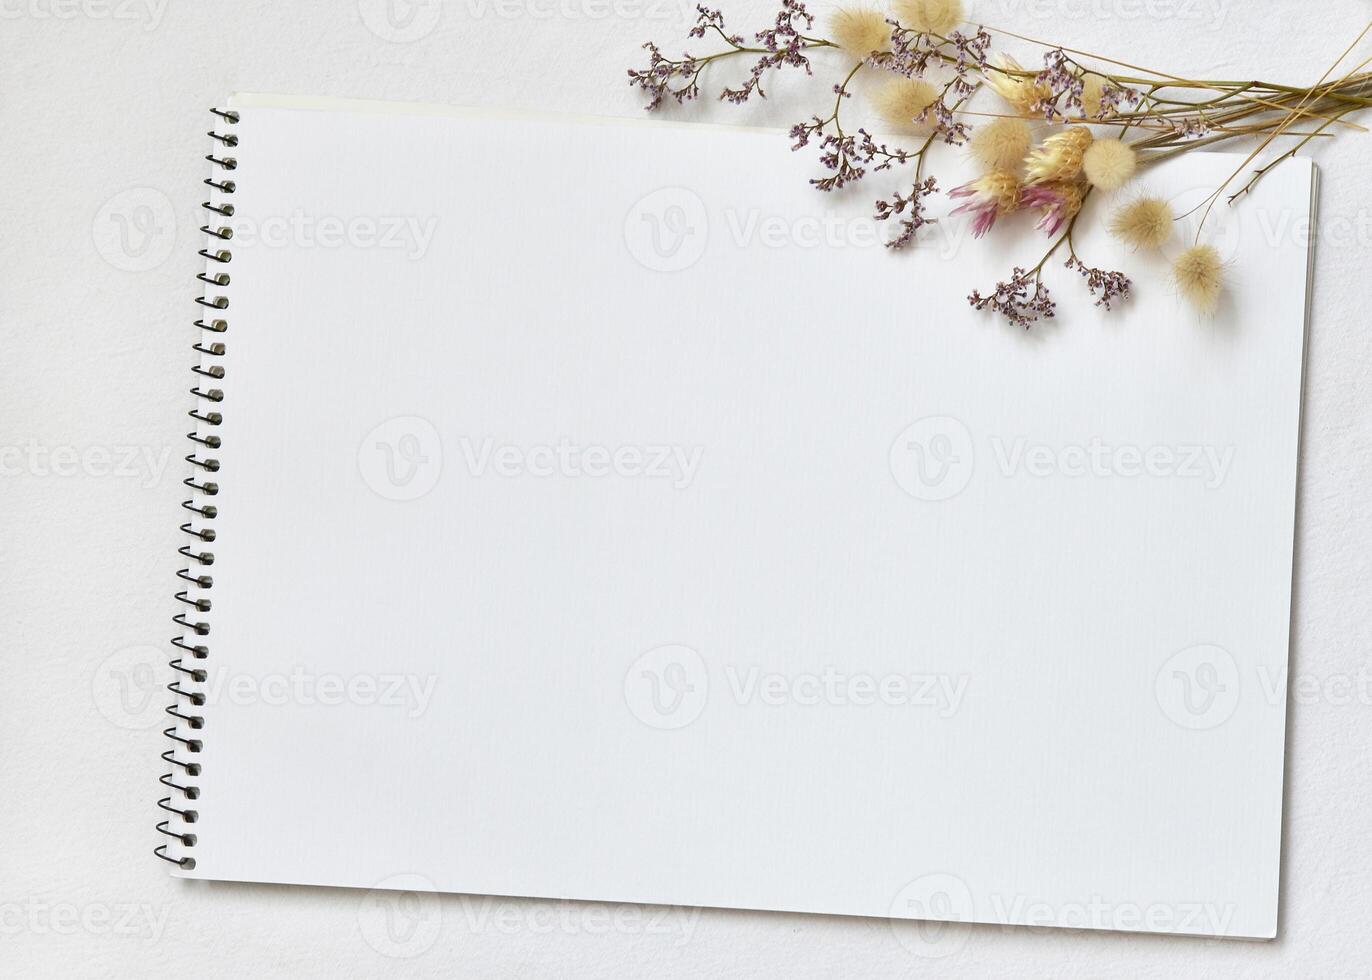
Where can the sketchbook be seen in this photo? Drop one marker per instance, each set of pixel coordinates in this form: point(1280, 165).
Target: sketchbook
point(588, 509)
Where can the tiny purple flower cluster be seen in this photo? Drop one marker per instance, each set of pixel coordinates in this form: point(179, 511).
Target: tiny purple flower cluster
point(1066, 81)
point(1111, 286)
point(784, 46)
point(844, 154)
point(1015, 302)
point(911, 223)
point(657, 78)
point(1190, 127)
point(913, 53)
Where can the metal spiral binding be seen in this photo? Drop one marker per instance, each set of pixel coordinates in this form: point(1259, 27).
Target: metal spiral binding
point(186, 722)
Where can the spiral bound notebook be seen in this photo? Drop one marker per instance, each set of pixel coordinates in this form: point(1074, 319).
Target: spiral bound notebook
point(589, 509)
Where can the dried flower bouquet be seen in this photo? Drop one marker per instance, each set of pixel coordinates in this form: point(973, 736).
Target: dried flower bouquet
point(1106, 122)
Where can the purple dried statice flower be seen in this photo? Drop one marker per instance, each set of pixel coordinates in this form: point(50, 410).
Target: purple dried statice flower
point(1102, 98)
point(953, 133)
point(911, 55)
point(784, 45)
point(656, 80)
point(970, 51)
point(912, 221)
point(1014, 301)
point(1067, 89)
point(882, 155)
point(912, 52)
point(709, 19)
point(1189, 127)
point(1105, 285)
point(846, 155)
point(1062, 83)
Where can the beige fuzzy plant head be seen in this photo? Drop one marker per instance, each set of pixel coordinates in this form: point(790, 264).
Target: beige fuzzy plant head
point(1144, 224)
point(900, 101)
point(859, 31)
point(1091, 88)
point(1198, 274)
point(1109, 163)
point(1001, 144)
point(929, 16)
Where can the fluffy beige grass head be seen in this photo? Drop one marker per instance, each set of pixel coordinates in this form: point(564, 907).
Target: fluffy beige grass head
point(1001, 144)
point(1091, 88)
point(859, 31)
point(900, 101)
point(929, 16)
point(1199, 276)
point(1145, 224)
point(1109, 163)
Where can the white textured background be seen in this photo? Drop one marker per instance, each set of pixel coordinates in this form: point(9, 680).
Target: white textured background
point(100, 98)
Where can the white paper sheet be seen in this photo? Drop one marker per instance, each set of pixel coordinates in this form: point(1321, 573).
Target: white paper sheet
point(605, 514)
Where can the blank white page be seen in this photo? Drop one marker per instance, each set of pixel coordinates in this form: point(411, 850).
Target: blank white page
point(605, 514)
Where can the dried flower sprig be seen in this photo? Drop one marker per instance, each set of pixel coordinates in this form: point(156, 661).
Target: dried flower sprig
point(1109, 121)
point(781, 46)
point(1105, 285)
point(913, 220)
point(1015, 302)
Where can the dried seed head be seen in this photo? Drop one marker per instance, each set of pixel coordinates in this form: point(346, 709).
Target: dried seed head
point(901, 101)
point(1058, 200)
point(929, 16)
point(1147, 223)
point(1109, 163)
point(1059, 157)
point(991, 195)
point(859, 31)
point(1091, 88)
point(1022, 92)
point(1001, 144)
point(1198, 275)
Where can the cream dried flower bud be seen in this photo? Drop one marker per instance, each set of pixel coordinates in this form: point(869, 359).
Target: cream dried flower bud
point(1146, 223)
point(860, 31)
point(1001, 144)
point(1059, 156)
point(989, 196)
point(1058, 200)
point(1091, 88)
point(1109, 163)
point(901, 102)
point(1022, 92)
point(929, 16)
point(1198, 273)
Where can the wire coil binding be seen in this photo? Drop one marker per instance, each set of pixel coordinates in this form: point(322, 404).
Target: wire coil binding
point(187, 723)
